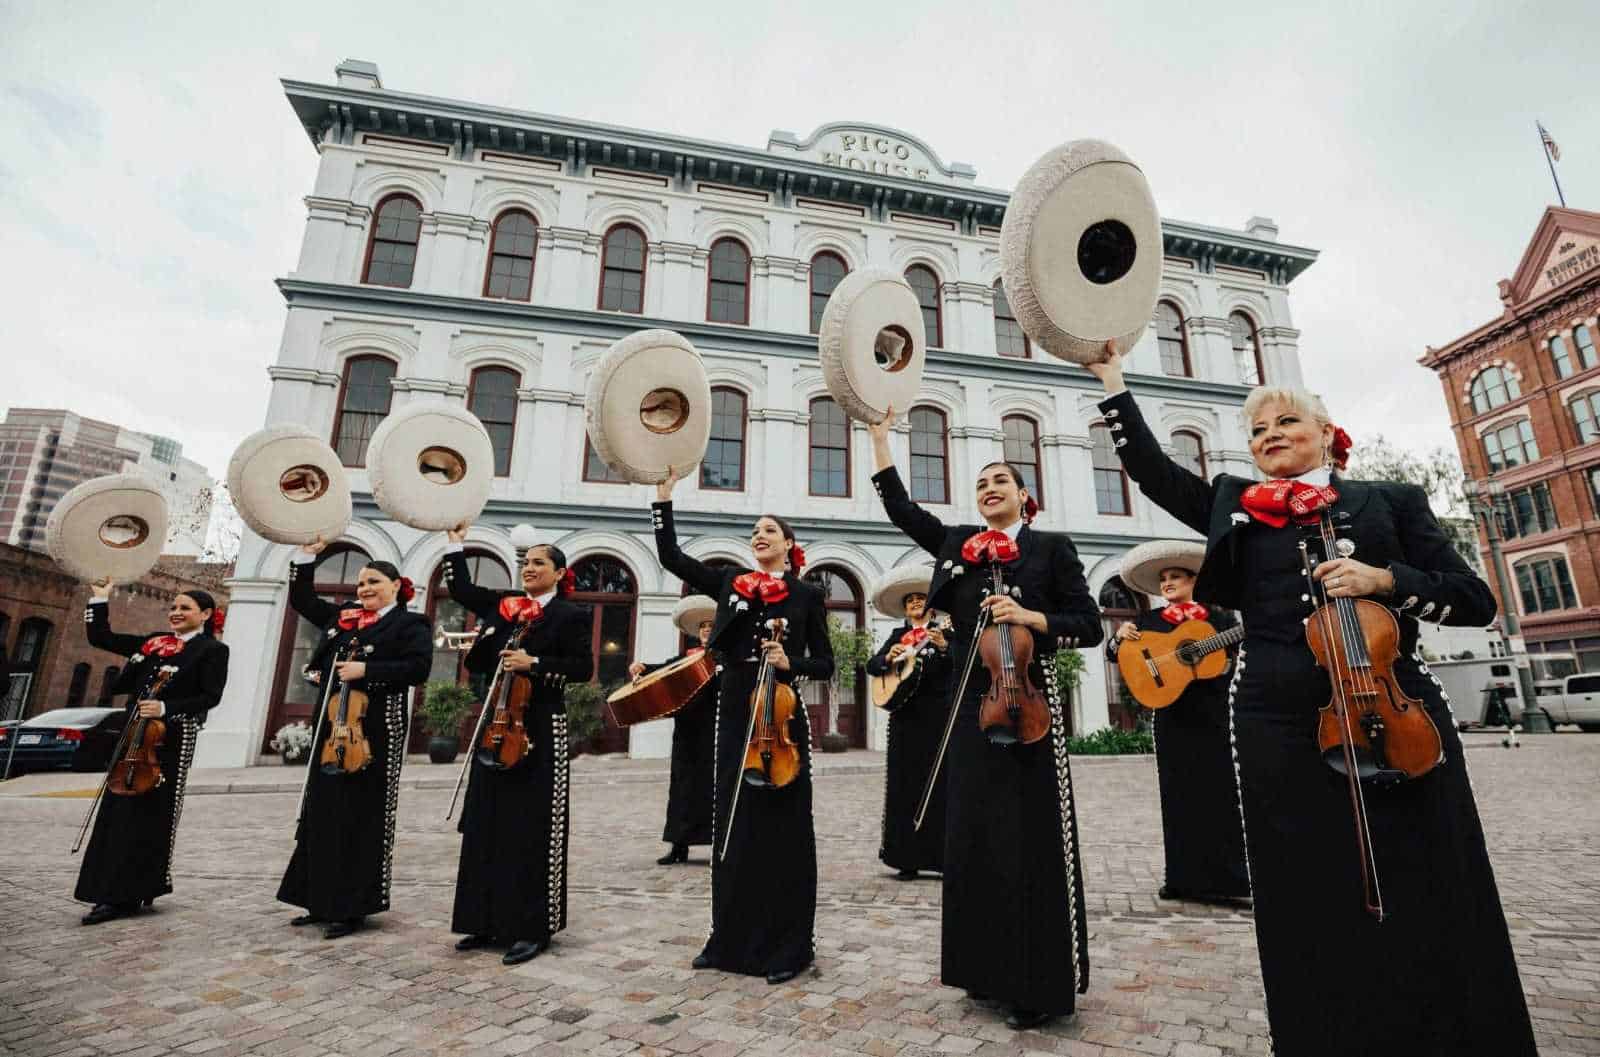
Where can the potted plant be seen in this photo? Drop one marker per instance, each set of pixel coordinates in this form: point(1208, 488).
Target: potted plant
point(584, 702)
point(292, 742)
point(852, 649)
point(444, 706)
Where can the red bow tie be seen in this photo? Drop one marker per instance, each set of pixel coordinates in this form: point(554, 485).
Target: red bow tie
point(1276, 502)
point(358, 619)
point(1178, 612)
point(162, 646)
point(769, 587)
point(914, 638)
point(694, 651)
point(521, 609)
point(991, 545)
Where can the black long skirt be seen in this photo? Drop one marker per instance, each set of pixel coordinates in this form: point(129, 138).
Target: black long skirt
point(694, 734)
point(512, 880)
point(764, 893)
point(1014, 921)
point(129, 855)
point(1200, 828)
point(1437, 977)
point(344, 847)
point(914, 732)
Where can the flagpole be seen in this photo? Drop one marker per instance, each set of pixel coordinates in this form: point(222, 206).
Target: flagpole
point(1544, 145)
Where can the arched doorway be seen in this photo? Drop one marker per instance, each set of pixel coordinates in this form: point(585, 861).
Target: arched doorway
point(1119, 603)
point(844, 604)
point(489, 572)
point(608, 589)
point(293, 698)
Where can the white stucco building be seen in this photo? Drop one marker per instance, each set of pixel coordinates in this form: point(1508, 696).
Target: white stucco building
point(462, 253)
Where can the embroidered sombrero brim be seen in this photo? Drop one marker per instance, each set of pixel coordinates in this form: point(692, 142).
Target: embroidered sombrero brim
point(1141, 567)
point(889, 593)
point(691, 612)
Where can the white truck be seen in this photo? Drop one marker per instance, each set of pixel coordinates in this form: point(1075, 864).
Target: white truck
point(1575, 699)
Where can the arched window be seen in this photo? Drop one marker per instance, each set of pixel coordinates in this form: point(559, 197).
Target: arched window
point(1492, 387)
point(33, 636)
point(1171, 340)
point(1021, 447)
point(1510, 445)
point(595, 468)
point(294, 699)
point(1118, 603)
point(830, 449)
point(622, 269)
point(930, 465)
point(107, 682)
point(827, 271)
point(1246, 349)
point(607, 587)
point(492, 396)
point(1110, 483)
point(1558, 356)
point(511, 251)
point(926, 286)
point(392, 249)
point(489, 572)
point(79, 686)
point(364, 398)
point(1545, 584)
point(1586, 416)
point(728, 283)
point(723, 465)
point(1585, 343)
point(1009, 339)
point(843, 603)
point(1189, 451)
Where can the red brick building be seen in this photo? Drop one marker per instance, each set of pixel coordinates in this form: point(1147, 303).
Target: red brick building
point(1523, 392)
point(49, 663)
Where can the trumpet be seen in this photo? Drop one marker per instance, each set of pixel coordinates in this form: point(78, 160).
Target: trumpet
point(459, 641)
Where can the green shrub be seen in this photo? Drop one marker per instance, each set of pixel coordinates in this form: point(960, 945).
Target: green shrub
point(584, 702)
point(444, 706)
point(1112, 741)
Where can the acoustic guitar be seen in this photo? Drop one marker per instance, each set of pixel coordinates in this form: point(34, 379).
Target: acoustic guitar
point(1159, 665)
point(899, 684)
point(662, 692)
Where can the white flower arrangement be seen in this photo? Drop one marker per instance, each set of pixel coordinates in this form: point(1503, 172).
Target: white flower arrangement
point(293, 740)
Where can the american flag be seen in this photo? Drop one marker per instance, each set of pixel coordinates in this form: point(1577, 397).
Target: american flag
point(1549, 144)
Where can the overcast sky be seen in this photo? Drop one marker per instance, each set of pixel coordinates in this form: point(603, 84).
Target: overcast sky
point(151, 172)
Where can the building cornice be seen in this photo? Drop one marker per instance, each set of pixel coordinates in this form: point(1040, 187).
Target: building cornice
point(610, 326)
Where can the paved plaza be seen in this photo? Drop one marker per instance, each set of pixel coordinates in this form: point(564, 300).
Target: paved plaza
point(217, 970)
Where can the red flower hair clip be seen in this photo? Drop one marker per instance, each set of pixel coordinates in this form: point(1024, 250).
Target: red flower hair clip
point(1340, 448)
point(1030, 510)
point(797, 559)
point(569, 581)
point(218, 617)
point(407, 590)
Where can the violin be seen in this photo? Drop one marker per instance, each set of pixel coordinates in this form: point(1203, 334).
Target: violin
point(346, 751)
point(1013, 709)
point(137, 768)
point(506, 742)
point(771, 758)
point(1370, 731)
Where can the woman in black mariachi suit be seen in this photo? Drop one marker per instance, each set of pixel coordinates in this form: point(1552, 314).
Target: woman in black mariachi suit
point(764, 890)
point(344, 845)
point(129, 859)
point(1437, 975)
point(511, 885)
point(1200, 831)
point(915, 727)
point(693, 740)
point(1014, 917)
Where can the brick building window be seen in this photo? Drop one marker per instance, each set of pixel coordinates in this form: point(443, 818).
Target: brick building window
point(1594, 490)
point(723, 465)
point(1510, 445)
point(1528, 511)
point(827, 271)
point(363, 403)
point(492, 396)
point(926, 286)
point(1558, 355)
point(1586, 416)
point(1189, 451)
point(1585, 343)
point(622, 270)
point(511, 249)
point(1009, 339)
point(1021, 449)
point(728, 283)
point(79, 686)
point(1170, 340)
point(392, 250)
point(1545, 585)
point(930, 474)
point(1493, 387)
point(830, 449)
point(107, 682)
point(1110, 483)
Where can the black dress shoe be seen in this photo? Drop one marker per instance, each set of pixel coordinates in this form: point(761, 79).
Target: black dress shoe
point(101, 912)
point(305, 919)
point(679, 853)
point(906, 875)
point(522, 951)
point(1167, 893)
point(979, 996)
point(472, 943)
point(700, 962)
point(338, 930)
point(782, 976)
point(1023, 1019)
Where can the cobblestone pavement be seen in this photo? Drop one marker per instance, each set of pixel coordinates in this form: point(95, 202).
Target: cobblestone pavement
point(216, 969)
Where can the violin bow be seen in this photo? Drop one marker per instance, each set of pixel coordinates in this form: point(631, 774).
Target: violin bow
point(762, 676)
point(477, 733)
point(950, 721)
point(322, 713)
point(116, 754)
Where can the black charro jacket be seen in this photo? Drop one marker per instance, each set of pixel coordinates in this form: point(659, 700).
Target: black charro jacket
point(202, 666)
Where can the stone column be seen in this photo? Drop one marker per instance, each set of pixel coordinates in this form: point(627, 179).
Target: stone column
point(658, 640)
point(255, 619)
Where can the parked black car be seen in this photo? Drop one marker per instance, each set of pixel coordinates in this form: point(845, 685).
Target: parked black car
point(78, 739)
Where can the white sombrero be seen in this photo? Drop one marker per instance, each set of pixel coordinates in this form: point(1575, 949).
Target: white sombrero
point(691, 612)
point(648, 406)
point(1141, 567)
point(430, 465)
point(889, 593)
point(288, 485)
point(872, 344)
point(112, 526)
point(1080, 248)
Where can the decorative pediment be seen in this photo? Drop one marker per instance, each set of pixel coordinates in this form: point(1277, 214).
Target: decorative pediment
point(1565, 246)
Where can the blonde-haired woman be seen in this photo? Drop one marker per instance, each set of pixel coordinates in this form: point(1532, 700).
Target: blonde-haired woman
point(1437, 975)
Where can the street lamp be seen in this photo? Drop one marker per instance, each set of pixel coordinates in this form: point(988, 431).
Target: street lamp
point(1484, 499)
point(523, 536)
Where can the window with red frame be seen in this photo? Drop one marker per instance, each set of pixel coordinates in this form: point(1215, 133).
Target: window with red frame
point(1170, 340)
point(492, 396)
point(728, 283)
point(1110, 483)
point(595, 468)
point(1021, 447)
point(926, 286)
point(930, 476)
point(1189, 451)
point(511, 251)
point(622, 270)
point(830, 449)
point(827, 271)
point(392, 251)
point(1009, 339)
point(723, 466)
point(364, 402)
